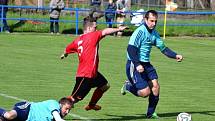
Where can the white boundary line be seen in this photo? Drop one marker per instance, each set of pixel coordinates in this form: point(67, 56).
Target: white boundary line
point(19, 99)
point(12, 97)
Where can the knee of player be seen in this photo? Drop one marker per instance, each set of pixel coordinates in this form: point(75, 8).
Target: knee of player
point(105, 87)
point(156, 90)
point(144, 92)
point(156, 86)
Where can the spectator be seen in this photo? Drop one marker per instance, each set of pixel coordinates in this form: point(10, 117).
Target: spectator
point(56, 7)
point(120, 14)
point(5, 9)
point(95, 8)
point(137, 18)
point(110, 13)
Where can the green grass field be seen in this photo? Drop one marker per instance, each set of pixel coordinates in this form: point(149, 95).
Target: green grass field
point(30, 69)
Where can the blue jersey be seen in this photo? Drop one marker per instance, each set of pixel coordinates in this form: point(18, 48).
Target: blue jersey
point(42, 111)
point(144, 40)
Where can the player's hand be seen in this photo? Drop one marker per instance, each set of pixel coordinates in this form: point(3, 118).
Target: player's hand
point(140, 68)
point(64, 55)
point(179, 58)
point(121, 28)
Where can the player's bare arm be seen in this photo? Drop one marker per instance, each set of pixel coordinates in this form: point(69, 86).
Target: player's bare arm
point(108, 31)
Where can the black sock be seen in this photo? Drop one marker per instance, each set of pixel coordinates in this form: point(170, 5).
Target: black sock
point(153, 101)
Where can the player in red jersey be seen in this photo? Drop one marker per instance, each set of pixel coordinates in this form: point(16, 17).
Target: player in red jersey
point(88, 76)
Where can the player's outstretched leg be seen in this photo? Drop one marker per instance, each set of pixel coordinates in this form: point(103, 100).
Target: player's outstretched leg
point(153, 101)
point(98, 93)
point(92, 104)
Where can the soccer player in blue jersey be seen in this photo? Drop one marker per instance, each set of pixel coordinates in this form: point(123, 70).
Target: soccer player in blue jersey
point(142, 76)
point(48, 110)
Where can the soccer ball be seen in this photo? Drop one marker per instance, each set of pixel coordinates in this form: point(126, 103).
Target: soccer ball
point(184, 117)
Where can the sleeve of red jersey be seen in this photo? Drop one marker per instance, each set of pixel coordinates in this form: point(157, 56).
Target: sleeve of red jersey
point(97, 36)
point(71, 48)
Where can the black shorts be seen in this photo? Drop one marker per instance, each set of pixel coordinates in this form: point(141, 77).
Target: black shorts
point(83, 85)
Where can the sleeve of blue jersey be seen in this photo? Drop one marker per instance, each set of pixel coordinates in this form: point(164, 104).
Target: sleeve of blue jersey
point(133, 54)
point(169, 53)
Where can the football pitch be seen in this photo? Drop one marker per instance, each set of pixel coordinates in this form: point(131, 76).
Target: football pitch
point(30, 69)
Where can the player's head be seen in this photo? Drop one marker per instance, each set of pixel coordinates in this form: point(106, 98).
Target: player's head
point(151, 17)
point(65, 106)
point(89, 24)
point(110, 1)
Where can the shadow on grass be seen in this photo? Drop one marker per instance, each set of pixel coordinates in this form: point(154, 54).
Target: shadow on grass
point(142, 116)
point(17, 25)
point(72, 31)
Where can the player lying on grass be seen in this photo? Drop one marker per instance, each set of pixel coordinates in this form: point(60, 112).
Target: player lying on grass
point(88, 76)
point(48, 110)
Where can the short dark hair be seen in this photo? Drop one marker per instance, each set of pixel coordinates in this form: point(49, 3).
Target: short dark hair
point(88, 21)
point(153, 12)
point(65, 100)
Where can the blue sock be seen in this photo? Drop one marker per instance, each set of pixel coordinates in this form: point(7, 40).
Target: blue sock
point(131, 89)
point(153, 101)
point(2, 112)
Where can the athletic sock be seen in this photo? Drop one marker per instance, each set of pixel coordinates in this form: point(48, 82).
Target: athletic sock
point(131, 89)
point(96, 96)
point(2, 112)
point(153, 101)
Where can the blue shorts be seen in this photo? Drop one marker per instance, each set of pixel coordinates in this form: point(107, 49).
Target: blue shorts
point(140, 80)
point(22, 109)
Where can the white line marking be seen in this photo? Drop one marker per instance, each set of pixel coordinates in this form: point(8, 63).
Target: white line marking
point(11, 97)
point(19, 99)
point(79, 117)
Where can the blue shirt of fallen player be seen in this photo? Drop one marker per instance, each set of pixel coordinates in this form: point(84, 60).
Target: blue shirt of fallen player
point(42, 111)
point(144, 38)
